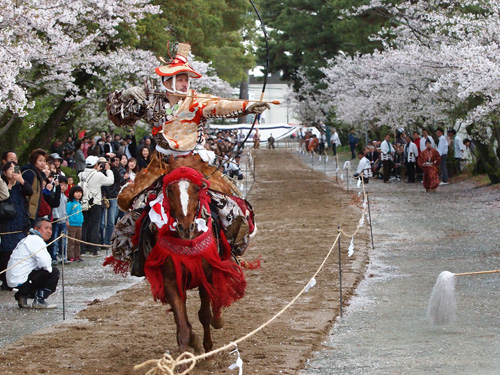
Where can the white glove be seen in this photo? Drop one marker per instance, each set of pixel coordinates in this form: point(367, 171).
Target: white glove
point(258, 107)
point(135, 92)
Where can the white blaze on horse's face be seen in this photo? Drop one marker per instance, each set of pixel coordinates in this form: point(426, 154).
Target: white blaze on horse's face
point(184, 196)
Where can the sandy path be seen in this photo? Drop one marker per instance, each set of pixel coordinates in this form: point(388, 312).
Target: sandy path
point(297, 212)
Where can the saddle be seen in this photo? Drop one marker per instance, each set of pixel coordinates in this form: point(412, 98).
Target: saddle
point(158, 167)
point(134, 234)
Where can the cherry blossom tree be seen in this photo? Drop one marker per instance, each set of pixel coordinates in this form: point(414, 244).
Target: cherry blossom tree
point(439, 65)
point(68, 56)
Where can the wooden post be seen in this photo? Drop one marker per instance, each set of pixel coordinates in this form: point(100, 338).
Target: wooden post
point(340, 274)
point(62, 278)
point(370, 217)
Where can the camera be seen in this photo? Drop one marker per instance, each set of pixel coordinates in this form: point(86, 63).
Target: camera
point(102, 166)
point(56, 177)
point(16, 169)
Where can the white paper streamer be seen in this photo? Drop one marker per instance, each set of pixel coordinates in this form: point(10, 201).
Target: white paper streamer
point(319, 158)
point(238, 363)
point(201, 224)
point(359, 182)
point(326, 159)
point(351, 248)
point(362, 220)
point(347, 164)
point(365, 205)
point(311, 283)
point(342, 176)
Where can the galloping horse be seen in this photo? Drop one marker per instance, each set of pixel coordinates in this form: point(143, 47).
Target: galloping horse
point(188, 251)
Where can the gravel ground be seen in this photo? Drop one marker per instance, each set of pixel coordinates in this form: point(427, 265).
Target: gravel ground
point(297, 213)
point(418, 235)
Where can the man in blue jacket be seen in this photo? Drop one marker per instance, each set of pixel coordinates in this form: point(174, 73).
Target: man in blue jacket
point(353, 143)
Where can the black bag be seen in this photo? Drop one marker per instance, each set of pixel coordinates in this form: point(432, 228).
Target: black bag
point(7, 210)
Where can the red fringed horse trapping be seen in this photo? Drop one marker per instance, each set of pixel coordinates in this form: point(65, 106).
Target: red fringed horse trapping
point(181, 247)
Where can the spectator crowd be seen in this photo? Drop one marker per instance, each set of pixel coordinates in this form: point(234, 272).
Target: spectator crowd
point(72, 189)
point(416, 157)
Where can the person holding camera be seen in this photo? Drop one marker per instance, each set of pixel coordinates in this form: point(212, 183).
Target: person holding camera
point(60, 222)
point(19, 224)
point(92, 181)
point(110, 213)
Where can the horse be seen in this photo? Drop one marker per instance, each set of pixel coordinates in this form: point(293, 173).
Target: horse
point(189, 251)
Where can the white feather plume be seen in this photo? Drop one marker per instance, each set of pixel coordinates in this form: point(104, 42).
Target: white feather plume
point(442, 304)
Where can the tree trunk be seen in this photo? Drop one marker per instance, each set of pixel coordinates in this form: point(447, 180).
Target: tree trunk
point(57, 118)
point(496, 133)
point(48, 130)
point(489, 159)
point(10, 127)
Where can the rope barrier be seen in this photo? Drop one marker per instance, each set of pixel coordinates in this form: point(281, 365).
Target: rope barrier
point(60, 219)
point(36, 252)
point(168, 365)
point(84, 242)
point(192, 360)
point(50, 243)
point(360, 224)
point(5, 233)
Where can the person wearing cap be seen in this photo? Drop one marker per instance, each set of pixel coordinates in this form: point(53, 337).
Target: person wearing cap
point(233, 168)
point(178, 116)
point(94, 181)
point(57, 162)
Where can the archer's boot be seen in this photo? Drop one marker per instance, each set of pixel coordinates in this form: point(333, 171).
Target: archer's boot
point(39, 302)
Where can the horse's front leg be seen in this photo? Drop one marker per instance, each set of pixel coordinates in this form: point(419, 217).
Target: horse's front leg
point(185, 334)
point(205, 315)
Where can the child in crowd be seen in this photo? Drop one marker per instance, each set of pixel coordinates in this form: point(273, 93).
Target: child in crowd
point(59, 226)
point(71, 183)
point(75, 220)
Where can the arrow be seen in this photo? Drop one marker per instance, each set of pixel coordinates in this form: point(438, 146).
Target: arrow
point(162, 93)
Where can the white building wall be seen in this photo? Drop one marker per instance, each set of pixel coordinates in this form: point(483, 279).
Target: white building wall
point(278, 114)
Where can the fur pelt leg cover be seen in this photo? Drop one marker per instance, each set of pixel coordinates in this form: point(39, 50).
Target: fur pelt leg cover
point(228, 281)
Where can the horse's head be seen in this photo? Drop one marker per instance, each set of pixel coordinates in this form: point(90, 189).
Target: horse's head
point(185, 190)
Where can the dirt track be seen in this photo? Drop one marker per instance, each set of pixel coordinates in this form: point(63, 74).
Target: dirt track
point(297, 213)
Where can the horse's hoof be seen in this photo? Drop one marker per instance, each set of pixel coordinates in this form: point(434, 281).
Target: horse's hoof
point(194, 343)
point(217, 323)
point(211, 363)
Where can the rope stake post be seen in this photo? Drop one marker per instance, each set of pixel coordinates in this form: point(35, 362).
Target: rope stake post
point(370, 217)
point(246, 181)
point(167, 365)
point(254, 172)
point(340, 273)
point(347, 180)
point(65, 241)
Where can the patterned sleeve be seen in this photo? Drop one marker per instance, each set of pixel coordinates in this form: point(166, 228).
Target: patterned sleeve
point(214, 107)
point(124, 112)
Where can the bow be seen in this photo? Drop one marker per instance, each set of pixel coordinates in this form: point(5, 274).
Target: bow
point(266, 70)
point(257, 117)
